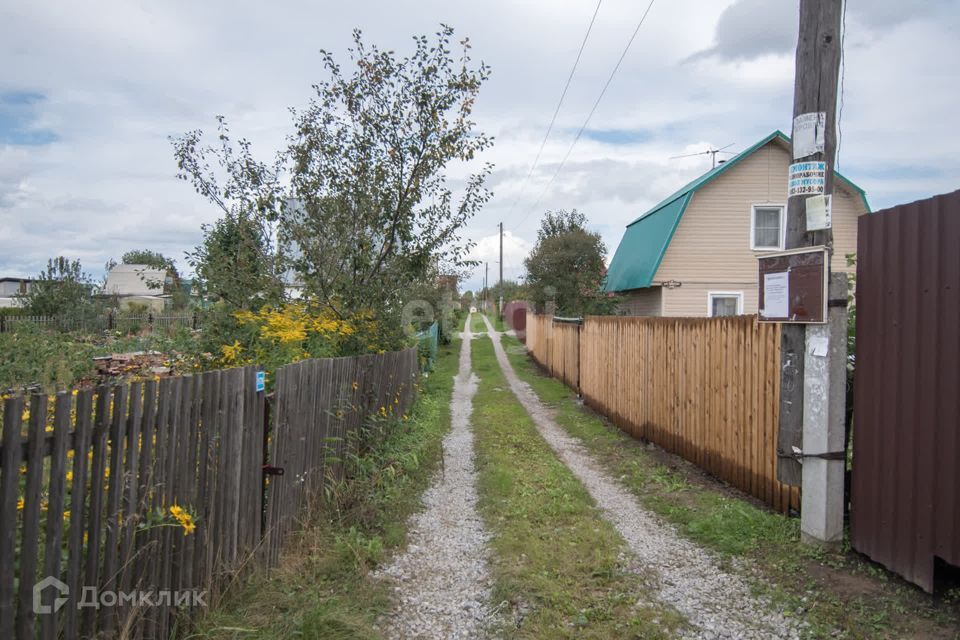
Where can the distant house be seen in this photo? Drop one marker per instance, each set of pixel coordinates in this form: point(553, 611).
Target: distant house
point(138, 285)
point(9, 288)
point(695, 253)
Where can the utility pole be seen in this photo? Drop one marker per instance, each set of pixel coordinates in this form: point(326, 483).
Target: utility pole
point(486, 288)
point(810, 385)
point(500, 301)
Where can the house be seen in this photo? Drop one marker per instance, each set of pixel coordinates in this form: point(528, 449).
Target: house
point(9, 288)
point(695, 253)
point(140, 285)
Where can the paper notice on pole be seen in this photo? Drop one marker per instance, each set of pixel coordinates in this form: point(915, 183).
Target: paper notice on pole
point(808, 137)
point(776, 295)
point(818, 346)
point(819, 212)
point(806, 178)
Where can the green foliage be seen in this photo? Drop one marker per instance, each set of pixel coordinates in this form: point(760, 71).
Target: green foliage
point(49, 359)
point(356, 208)
point(566, 267)
point(62, 290)
point(153, 259)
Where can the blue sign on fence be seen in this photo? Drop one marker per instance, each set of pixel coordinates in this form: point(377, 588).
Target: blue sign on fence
point(261, 380)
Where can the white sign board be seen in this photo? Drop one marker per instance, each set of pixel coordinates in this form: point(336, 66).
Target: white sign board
point(806, 179)
point(819, 212)
point(776, 295)
point(808, 134)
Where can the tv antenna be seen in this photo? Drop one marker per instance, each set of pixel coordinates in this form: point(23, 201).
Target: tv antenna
point(711, 151)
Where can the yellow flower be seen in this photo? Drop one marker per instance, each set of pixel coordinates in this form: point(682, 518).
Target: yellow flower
point(23, 469)
point(231, 351)
point(176, 511)
point(20, 504)
point(69, 476)
point(66, 514)
point(355, 385)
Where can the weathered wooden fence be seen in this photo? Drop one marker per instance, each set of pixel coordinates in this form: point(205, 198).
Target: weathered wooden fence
point(125, 322)
point(140, 496)
point(706, 389)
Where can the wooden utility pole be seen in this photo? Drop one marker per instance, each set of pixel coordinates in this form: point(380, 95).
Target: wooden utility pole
point(486, 287)
point(815, 91)
point(500, 299)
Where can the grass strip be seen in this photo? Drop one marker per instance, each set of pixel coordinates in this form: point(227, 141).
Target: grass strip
point(830, 590)
point(322, 588)
point(476, 323)
point(557, 563)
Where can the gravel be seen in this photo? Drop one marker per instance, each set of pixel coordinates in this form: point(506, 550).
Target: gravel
point(718, 604)
point(442, 580)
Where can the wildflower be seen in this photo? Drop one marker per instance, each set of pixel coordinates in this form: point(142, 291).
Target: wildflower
point(176, 511)
point(23, 469)
point(20, 504)
point(355, 385)
point(66, 514)
point(69, 476)
point(231, 351)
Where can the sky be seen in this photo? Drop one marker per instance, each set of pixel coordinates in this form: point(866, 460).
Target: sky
point(91, 91)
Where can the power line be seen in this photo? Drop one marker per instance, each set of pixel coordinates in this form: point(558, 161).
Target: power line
point(556, 111)
point(590, 115)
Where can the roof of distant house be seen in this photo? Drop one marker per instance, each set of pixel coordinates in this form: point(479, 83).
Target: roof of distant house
point(135, 280)
point(645, 242)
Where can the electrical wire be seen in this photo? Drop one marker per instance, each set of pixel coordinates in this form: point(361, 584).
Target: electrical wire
point(556, 111)
point(589, 116)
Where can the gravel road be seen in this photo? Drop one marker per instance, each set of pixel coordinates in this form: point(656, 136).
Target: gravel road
point(442, 581)
point(718, 604)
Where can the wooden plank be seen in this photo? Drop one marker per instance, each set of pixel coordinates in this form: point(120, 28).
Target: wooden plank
point(83, 432)
point(115, 492)
point(29, 544)
point(95, 519)
point(9, 488)
point(55, 516)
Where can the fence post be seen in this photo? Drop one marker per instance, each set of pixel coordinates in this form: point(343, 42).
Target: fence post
point(3, 323)
point(150, 318)
point(194, 324)
point(110, 320)
point(824, 415)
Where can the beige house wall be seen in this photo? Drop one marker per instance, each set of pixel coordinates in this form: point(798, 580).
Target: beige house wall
point(642, 302)
point(710, 250)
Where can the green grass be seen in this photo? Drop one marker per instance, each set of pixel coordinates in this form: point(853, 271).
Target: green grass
point(476, 323)
point(557, 562)
point(828, 589)
point(322, 588)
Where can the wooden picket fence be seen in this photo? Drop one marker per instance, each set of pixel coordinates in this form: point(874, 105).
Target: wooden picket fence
point(706, 389)
point(88, 479)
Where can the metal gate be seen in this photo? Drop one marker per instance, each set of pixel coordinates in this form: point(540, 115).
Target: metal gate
point(905, 501)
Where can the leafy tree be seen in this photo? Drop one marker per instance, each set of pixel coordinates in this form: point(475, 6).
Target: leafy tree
point(153, 259)
point(567, 266)
point(62, 289)
point(233, 264)
point(358, 204)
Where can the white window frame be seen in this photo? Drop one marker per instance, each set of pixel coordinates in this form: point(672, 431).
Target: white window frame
point(724, 294)
point(753, 225)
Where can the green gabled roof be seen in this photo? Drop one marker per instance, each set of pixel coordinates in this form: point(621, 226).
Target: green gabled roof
point(646, 239)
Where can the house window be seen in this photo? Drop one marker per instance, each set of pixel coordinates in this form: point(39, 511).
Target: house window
point(766, 227)
point(724, 303)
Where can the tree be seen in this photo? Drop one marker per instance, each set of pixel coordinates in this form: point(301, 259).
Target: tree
point(357, 204)
point(62, 289)
point(156, 260)
point(233, 264)
point(567, 266)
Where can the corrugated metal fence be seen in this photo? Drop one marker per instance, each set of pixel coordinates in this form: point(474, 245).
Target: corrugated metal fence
point(156, 487)
point(704, 388)
point(906, 436)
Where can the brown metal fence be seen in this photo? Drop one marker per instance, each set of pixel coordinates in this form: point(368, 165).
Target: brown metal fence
point(515, 315)
point(158, 487)
point(905, 500)
point(704, 388)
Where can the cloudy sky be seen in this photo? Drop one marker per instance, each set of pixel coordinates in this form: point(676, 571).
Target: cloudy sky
point(90, 91)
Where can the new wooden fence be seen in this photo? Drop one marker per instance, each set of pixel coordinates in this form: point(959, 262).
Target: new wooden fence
point(88, 479)
point(706, 389)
